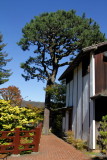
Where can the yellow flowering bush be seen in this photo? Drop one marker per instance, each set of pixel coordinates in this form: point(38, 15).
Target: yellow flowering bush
point(14, 116)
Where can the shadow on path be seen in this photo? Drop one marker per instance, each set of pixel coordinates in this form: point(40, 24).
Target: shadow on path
point(99, 158)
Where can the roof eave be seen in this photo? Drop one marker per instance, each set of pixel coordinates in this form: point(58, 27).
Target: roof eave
point(83, 52)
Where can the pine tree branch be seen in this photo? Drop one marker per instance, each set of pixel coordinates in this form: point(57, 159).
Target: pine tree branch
point(63, 64)
point(40, 76)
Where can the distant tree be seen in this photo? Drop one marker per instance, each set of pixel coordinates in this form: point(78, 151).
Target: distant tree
point(54, 37)
point(57, 93)
point(12, 94)
point(4, 73)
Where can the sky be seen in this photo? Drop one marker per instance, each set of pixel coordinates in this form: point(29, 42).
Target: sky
point(14, 14)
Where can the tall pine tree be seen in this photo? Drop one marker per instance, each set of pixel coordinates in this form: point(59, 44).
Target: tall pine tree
point(4, 73)
point(54, 37)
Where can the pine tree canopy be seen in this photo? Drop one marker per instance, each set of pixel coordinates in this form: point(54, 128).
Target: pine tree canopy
point(55, 36)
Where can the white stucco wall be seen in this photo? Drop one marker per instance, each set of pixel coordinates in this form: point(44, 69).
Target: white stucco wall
point(74, 118)
point(71, 93)
point(78, 93)
point(86, 98)
point(67, 94)
point(66, 120)
point(92, 104)
point(79, 102)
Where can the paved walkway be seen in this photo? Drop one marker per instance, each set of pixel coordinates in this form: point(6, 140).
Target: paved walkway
point(53, 148)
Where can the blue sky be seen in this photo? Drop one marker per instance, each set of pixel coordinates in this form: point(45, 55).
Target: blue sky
point(14, 14)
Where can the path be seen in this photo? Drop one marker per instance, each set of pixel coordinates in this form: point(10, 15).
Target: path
point(53, 148)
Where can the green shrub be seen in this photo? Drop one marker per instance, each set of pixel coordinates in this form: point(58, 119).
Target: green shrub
point(70, 137)
point(77, 143)
point(21, 117)
point(25, 140)
point(102, 137)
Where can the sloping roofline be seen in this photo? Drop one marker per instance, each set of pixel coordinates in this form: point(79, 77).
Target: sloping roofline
point(76, 61)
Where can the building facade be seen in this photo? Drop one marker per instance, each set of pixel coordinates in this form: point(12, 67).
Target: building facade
point(86, 93)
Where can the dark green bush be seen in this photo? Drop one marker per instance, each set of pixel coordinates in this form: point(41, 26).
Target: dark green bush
point(102, 138)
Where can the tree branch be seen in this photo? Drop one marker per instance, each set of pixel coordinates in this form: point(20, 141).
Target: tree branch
point(38, 75)
point(43, 58)
point(63, 64)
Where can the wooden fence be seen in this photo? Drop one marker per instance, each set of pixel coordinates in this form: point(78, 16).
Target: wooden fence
point(16, 145)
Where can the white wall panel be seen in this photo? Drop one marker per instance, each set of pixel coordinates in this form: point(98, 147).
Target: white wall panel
point(92, 75)
point(92, 103)
point(66, 121)
point(67, 94)
point(86, 107)
point(79, 103)
point(71, 94)
point(92, 125)
point(74, 123)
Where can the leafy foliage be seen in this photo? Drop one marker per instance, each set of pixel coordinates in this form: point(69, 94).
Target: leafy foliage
point(11, 93)
point(57, 94)
point(4, 73)
point(102, 138)
point(14, 116)
point(54, 36)
point(77, 143)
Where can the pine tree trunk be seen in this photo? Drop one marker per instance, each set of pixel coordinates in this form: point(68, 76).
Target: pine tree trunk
point(46, 121)
point(50, 82)
point(47, 111)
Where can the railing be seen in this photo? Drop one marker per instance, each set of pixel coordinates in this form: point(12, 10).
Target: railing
point(16, 145)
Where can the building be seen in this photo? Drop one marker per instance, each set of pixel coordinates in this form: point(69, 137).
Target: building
point(86, 93)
